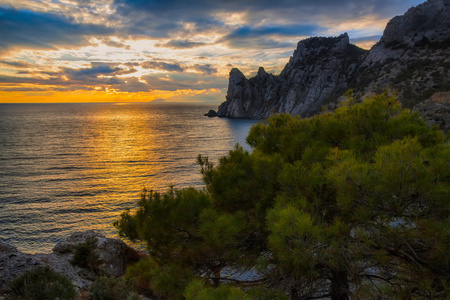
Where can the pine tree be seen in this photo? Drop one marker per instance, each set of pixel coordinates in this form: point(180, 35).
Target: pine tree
point(352, 203)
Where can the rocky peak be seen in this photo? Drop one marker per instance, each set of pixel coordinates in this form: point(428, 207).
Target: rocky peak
point(424, 26)
point(312, 48)
point(236, 76)
point(429, 21)
point(412, 55)
point(261, 72)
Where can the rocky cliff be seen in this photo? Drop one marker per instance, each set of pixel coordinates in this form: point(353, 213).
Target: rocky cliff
point(321, 69)
point(412, 58)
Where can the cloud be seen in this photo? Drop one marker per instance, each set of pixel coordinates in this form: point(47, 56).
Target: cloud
point(17, 64)
point(176, 81)
point(203, 15)
point(98, 75)
point(282, 31)
point(159, 65)
point(116, 44)
point(181, 44)
point(206, 69)
point(96, 70)
point(267, 37)
point(38, 30)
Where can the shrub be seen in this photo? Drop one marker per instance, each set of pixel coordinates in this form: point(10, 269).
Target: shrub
point(43, 283)
point(85, 256)
point(111, 288)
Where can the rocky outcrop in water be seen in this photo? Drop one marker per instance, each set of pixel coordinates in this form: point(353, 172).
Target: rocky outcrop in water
point(211, 113)
point(113, 255)
point(412, 57)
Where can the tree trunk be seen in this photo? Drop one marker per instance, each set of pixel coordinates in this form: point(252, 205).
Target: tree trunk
point(339, 285)
point(216, 280)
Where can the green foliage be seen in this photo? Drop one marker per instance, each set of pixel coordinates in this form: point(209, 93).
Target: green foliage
point(85, 255)
point(352, 203)
point(43, 284)
point(200, 290)
point(111, 288)
point(165, 280)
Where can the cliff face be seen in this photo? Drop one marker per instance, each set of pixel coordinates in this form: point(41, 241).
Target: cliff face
point(319, 70)
point(412, 57)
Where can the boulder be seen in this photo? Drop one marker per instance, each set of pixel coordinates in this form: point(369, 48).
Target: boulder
point(113, 254)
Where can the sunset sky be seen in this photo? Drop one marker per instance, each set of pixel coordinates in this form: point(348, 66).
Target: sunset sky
point(141, 50)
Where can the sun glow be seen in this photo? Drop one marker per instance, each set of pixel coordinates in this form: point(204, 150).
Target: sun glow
point(110, 95)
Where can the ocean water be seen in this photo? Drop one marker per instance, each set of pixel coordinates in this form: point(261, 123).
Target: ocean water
point(73, 167)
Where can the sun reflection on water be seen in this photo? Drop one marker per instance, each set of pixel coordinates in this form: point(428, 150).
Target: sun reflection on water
point(68, 168)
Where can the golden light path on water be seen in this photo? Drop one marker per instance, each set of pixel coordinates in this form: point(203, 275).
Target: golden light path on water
point(73, 167)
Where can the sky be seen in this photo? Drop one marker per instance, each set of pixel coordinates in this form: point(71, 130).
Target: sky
point(176, 50)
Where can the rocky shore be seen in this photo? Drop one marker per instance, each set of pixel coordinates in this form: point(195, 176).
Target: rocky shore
point(112, 257)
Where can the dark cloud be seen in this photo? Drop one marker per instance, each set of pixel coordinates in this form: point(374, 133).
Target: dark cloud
point(265, 37)
point(89, 80)
point(177, 67)
point(96, 70)
point(159, 65)
point(17, 64)
point(78, 81)
point(206, 69)
point(108, 75)
point(297, 30)
point(255, 43)
point(99, 74)
point(176, 81)
point(37, 30)
point(132, 85)
point(283, 17)
point(116, 44)
point(181, 44)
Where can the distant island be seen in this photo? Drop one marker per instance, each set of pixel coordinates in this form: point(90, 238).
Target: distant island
point(156, 101)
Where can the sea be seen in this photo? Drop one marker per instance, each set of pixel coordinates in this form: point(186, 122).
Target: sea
point(73, 167)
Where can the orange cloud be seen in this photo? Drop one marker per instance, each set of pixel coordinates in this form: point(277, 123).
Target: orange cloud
point(187, 95)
